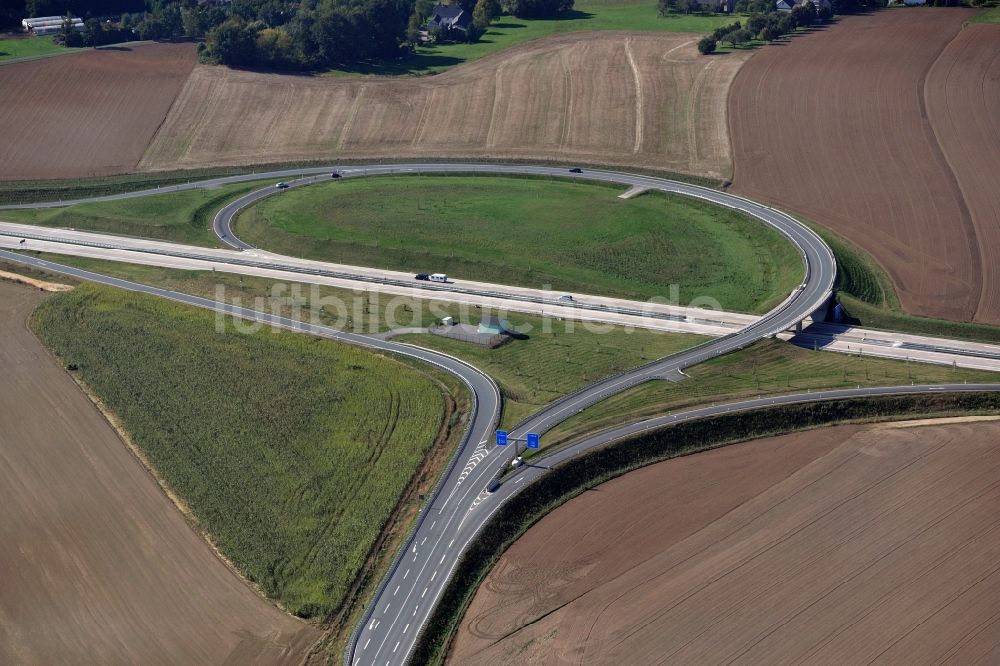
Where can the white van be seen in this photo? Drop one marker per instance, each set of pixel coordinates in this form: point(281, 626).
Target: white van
point(438, 277)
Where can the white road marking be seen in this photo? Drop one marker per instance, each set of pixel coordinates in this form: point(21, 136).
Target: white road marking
point(406, 574)
point(396, 592)
point(405, 628)
point(433, 576)
point(423, 593)
point(366, 644)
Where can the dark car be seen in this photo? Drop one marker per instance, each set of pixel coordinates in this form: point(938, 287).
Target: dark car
point(576, 170)
point(334, 175)
point(282, 185)
point(422, 276)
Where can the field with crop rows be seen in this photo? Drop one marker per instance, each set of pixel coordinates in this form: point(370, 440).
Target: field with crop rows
point(291, 451)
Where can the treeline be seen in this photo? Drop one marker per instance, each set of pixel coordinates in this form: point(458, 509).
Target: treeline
point(277, 34)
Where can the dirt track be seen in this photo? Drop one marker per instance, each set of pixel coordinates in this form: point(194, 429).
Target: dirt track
point(884, 130)
point(97, 565)
point(641, 99)
point(87, 114)
point(845, 545)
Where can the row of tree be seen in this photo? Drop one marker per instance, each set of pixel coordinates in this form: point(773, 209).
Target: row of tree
point(766, 26)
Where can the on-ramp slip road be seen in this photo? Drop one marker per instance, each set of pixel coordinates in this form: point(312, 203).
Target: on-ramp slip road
point(460, 504)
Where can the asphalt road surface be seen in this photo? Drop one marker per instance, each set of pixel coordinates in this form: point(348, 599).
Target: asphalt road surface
point(461, 505)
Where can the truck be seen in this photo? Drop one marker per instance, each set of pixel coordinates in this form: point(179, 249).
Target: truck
point(438, 277)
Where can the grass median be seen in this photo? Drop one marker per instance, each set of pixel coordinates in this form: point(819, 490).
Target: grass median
point(576, 237)
point(766, 368)
point(182, 217)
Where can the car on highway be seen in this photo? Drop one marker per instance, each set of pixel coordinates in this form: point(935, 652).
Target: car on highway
point(566, 298)
point(282, 185)
point(334, 174)
point(421, 276)
point(576, 170)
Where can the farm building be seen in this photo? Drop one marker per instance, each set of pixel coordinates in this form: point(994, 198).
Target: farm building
point(445, 18)
point(48, 25)
point(789, 5)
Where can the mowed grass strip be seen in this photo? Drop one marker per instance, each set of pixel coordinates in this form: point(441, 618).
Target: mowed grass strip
point(769, 367)
point(16, 48)
point(557, 358)
point(576, 237)
point(291, 451)
point(182, 217)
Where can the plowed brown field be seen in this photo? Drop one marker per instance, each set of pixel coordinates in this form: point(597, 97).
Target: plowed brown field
point(883, 128)
point(97, 566)
point(87, 114)
point(963, 104)
point(845, 545)
point(641, 99)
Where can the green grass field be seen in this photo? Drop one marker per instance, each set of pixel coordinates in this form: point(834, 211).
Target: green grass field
point(989, 15)
point(558, 357)
point(547, 366)
point(509, 31)
point(769, 367)
point(30, 47)
point(291, 451)
point(576, 237)
point(183, 217)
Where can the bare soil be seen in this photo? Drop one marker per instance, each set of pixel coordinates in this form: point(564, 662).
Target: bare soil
point(963, 105)
point(640, 99)
point(882, 128)
point(88, 114)
point(97, 565)
point(843, 545)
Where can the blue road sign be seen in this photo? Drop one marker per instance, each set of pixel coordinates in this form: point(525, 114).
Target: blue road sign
point(501, 438)
point(532, 440)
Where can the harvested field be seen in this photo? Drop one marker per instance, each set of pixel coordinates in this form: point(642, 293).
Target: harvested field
point(838, 126)
point(97, 565)
point(89, 114)
point(963, 105)
point(639, 99)
point(843, 545)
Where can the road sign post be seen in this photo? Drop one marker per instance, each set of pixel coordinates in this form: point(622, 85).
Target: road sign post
point(501, 438)
point(532, 440)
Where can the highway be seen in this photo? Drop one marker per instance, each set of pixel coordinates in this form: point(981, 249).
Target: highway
point(460, 504)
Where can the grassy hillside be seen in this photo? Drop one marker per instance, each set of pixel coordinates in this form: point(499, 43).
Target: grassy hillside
point(291, 451)
point(576, 237)
point(770, 366)
point(183, 217)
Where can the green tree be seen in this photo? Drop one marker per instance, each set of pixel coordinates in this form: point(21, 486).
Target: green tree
point(738, 37)
point(232, 43)
point(68, 34)
point(768, 34)
point(666, 6)
point(756, 23)
point(804, 15)
point(483, 14)
point(706, 45)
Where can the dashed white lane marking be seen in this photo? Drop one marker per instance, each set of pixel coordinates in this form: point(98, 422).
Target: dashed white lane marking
point(405, 628)
point(397, 647)
point(406, 574)
point(451, 543)
point(387, 607)
point(366, 644)
point(433, 576)
point(423, 593)
point(424, 541)
point(433, 524)
point(396, 592)
point(442, 559)
point(415, 609)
